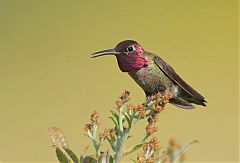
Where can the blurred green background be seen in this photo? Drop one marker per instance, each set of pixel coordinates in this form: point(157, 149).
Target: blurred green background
point(48, 78)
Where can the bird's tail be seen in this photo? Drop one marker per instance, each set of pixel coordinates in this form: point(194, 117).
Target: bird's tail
point(181, 103)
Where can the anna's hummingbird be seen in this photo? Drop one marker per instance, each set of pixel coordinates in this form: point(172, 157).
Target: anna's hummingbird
point(153, 74)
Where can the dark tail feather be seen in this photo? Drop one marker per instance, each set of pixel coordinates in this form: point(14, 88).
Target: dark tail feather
point(194, 100)
point(191, 99)
point(181, 103)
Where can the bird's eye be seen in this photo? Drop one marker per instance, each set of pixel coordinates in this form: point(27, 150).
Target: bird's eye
point(131, 49)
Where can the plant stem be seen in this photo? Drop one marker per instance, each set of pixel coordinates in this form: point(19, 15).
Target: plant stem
point(96, 146)
point(145, 138)
point(122, 138)
point(120, 119)
point(94, 139)
point(120, 147)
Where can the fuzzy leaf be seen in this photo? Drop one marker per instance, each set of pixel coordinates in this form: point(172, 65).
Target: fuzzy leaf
point(111, 159)
point(114, 121)
point(115, 117)
point(115, 114)
point(135, 148)
point(81, 158)
point(89, 159)
point(67, 157)
point(72, 155)
point(128, 120)
point(62, 158)
point(111, 142)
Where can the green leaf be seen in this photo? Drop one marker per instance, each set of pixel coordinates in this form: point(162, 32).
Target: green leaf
point(145, 137)
point(66, 156)
point(89, 159)
point(128, 120)
point(111, 142)
point(72, 155)
point(111, 159)
point(116, 116)
point(62, 158)
point(81, 158)
point(135, 148)
point(114, 121)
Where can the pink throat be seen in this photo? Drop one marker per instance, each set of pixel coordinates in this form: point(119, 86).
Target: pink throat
point(131, 63)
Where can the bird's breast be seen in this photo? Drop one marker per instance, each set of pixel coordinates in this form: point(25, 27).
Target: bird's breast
point(151, 79)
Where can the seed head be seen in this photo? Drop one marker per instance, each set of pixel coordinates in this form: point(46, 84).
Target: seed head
point(101, 135)
point(88, 127)
point(130, 107)
point(119, 103)
point(157, 109)
point(145, 146)
point(152, 119)
point(106, 132)
point(150, 129)
point(168, 95)
point(140, 157)
point(150, 160)
point(140, 107)
point(112, 134)
point(95, 118)
point(142, 113)
point(158, 96)
point(173, 142)
point(125, 94)
point(154, 143)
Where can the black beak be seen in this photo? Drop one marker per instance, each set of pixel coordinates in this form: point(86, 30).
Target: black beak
point(104, 52)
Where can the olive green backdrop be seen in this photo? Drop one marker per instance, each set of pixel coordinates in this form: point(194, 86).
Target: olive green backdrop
point(48, 78)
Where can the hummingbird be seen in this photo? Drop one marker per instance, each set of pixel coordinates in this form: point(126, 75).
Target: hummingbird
point(153, 74)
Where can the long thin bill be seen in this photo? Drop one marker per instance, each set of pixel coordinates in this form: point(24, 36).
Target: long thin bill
point(104, 52)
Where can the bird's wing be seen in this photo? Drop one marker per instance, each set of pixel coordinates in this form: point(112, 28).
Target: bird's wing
point(169, 71)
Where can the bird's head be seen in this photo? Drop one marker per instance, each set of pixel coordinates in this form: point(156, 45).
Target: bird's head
point(129, 53)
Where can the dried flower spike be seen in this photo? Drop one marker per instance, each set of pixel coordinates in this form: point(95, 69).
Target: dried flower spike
point(101, 135)
point(150, 160)
point(112, 134)
point(150, 129)
point(106, 133)
point(173, 142)
point(88, 127)
point(140, 157)
point(157, 109)
point(130, 107)
point(152, 119)
point(125, 95)
point(95, 118)
point(154, 143)
point(119, 103)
